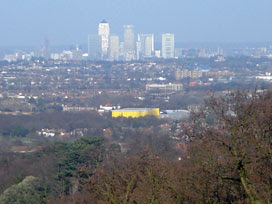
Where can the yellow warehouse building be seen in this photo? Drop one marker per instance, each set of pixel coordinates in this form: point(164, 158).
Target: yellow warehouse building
point(136, 112)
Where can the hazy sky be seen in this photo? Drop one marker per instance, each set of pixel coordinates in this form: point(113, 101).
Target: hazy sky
point(27, 22)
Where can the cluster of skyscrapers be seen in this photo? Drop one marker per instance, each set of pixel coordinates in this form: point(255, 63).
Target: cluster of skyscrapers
point(106, 46)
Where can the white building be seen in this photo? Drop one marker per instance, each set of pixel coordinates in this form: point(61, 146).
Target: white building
point(157, 53)
point(147, 45)
point(129, 42)
point(138, 50)
point(164, 87)
point(168, 45)
point(104, 33)
point(114, 48)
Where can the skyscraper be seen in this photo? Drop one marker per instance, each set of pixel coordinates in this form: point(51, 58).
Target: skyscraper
point(114, 48)
point(94, 47)
point(147, 45)
point(104, 33)
point(138, 50)
point(168, 45)
point(129, 42)
point(45, 49)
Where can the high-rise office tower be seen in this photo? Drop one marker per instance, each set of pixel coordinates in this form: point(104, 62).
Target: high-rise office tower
point(45, 49)
point(147, 45)
point(138, 50)
point(114, 48)
point(94, 47)
point(121, 51)
point(104, 33)
point(129, 42)
point(168, 45)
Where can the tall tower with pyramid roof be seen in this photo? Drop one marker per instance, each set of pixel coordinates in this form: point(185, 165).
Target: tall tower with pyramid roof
point(104, 33)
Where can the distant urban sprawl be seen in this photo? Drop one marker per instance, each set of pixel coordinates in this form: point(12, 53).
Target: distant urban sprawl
point(106, 46)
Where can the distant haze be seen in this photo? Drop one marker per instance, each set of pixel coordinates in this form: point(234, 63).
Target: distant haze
point(28, 22)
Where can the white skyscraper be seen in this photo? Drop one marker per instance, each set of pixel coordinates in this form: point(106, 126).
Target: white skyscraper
point(104, 33)
point(114, 48)
point(147, 45)
point(94, 47)
point(168, 45)
point(129, 42)
point(138, 50)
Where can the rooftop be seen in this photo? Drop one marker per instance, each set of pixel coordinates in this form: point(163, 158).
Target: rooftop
point(134, 109)
point(104, 21)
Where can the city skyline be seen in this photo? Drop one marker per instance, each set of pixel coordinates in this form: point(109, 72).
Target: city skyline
point(135, 46)
point(132, 45)
point(27, 23)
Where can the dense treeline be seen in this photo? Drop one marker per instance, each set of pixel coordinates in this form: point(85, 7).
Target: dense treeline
point(30, 190)
point(226, 158)
point(67, 121)
point(21, 125)
point(57, 169)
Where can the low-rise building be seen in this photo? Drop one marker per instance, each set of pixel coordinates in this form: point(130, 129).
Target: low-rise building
point(164, 87)
point(185, 73)
point(136, 112)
